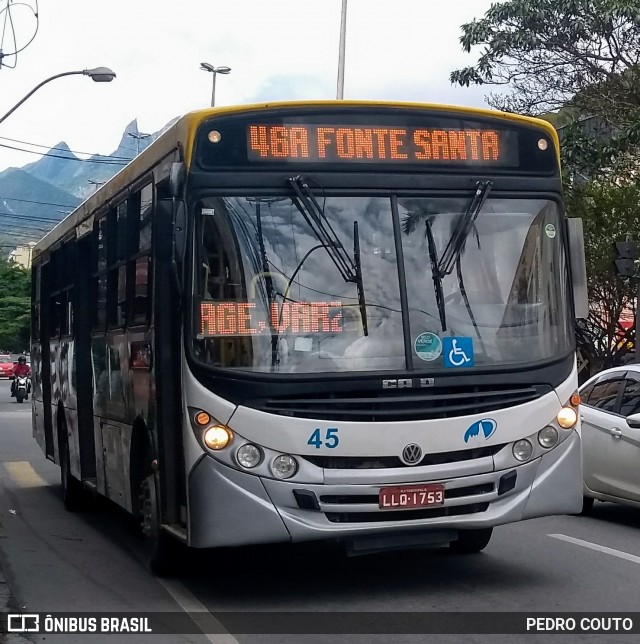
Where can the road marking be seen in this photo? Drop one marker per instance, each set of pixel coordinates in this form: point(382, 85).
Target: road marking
point(198, 613)
point(594, 546)
point(24, 475)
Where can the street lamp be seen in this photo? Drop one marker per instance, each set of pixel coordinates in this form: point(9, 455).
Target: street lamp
point(207, 67)
point(138, 137)
point(99, 75)
point(341, 48)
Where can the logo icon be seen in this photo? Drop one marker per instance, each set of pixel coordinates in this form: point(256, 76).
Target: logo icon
point(23, 623)
point(458, 352)
point(485, 427)
point(412, 454)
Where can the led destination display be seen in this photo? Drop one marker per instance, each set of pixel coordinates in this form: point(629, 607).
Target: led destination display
point(245, 318)
point(318, 143)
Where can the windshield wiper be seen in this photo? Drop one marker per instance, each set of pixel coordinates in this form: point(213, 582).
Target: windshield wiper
point(459, 236)
point(350, 269)
point(435, 274)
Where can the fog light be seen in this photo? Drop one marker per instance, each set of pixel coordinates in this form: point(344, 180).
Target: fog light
point(249, 455)
point(217, 437)
point(522, 450)
point(567, 417)
point(284, 466)
point(548, 436)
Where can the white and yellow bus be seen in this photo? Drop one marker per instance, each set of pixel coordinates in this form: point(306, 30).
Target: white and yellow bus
point(308, 321)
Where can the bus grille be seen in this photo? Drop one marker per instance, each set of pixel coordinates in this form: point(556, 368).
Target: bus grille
point(382, 462)
point(405, 515)
point(398, 405)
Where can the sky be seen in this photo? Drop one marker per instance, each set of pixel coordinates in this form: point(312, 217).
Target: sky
point(277, 50)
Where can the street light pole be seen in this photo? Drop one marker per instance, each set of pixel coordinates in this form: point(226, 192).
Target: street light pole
point(99, 75)
point(341, 50)
point(208, 67)
point(138, 136)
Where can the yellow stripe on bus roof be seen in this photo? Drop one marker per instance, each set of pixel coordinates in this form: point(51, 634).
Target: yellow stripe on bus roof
point(183, 133)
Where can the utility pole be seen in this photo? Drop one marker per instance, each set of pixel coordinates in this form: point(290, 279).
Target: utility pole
point(341, 50)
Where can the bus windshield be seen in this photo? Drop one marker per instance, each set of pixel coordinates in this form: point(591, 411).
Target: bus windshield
point(269, 295)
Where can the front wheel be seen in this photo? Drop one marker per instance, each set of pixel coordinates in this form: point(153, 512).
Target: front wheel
point(161, 551)
point(19, 396)
point(471, 540)
point(587, 506)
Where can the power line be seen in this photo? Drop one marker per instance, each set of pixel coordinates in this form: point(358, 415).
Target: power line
point(59, 156)
point(42, 220)
point(40, 203)
point(46, 147)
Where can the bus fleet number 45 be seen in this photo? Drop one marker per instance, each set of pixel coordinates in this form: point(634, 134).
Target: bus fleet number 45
point(331, 439)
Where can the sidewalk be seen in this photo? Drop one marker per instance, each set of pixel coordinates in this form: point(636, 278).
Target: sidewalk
point(6, 606)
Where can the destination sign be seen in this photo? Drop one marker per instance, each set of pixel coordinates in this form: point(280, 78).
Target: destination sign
point(372, 139)
point(246, 318)
point(340, 143)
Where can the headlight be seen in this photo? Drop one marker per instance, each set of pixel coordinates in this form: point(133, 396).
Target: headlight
point(548, 436)
point(249, 455)
point(522, 450)
point(567, 417)
point(217, 437)
point(284, 466)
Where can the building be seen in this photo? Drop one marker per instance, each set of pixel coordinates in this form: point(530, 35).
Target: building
point(21, 255)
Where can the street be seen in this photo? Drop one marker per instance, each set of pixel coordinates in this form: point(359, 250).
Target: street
point(57, 561)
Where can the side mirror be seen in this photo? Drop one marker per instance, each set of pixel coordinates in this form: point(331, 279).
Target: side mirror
point(578, 268)
point(634, 421)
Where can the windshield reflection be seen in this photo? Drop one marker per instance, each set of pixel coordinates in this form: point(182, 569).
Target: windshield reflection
point(270, 298)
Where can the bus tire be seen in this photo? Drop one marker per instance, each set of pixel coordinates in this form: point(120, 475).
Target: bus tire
point(587, 506)
point(74, 496)
point(161, 551)
point(469, 541)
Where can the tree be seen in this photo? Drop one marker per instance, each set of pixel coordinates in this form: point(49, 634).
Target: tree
point(15, 306)
point(610, 213)
point(554, 53)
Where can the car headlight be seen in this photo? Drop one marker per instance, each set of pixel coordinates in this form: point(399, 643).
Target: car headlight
point(284, 466)
point(217, 437)
point(567, 417)
point(249, 456)
point(548, 436)
point(522, 450)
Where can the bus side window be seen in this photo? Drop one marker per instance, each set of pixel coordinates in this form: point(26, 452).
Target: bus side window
point(100, 274)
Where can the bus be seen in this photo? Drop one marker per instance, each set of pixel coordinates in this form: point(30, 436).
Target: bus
point(327, 320)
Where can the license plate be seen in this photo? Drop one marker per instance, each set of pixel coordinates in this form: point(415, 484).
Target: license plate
point(414, 496)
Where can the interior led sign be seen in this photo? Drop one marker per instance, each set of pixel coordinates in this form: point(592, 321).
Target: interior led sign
point(388, 144)
point(246, 318)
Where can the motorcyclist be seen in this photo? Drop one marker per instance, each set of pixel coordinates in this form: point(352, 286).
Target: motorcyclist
point(21, 369)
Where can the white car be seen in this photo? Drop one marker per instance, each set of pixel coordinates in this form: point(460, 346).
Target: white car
point(610, 411)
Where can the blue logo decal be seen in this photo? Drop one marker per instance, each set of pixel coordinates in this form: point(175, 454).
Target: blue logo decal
point(486, 427)
point(457, 352)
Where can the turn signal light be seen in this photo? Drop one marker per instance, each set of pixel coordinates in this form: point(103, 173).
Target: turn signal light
point(575, 399)
point(202, 418)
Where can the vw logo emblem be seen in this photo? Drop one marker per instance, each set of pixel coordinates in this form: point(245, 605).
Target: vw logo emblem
point(412, 454)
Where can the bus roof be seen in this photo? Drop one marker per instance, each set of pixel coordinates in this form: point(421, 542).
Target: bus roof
point(182, 133)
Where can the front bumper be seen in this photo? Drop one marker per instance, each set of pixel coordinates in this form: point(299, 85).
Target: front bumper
point(228, 507)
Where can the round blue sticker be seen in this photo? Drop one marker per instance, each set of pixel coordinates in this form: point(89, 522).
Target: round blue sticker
point(428, 346)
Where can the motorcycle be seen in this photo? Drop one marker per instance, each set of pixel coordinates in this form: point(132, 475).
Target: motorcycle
point(21, 388)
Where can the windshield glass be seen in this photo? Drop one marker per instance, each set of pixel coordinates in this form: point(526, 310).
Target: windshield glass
point(269, 296)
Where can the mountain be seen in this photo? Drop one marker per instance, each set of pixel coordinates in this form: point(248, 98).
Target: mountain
point(38, 195)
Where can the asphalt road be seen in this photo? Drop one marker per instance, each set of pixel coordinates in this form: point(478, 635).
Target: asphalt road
point(57, 561)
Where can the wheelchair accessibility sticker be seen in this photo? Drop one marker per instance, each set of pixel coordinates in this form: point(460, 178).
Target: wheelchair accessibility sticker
point(457, 351)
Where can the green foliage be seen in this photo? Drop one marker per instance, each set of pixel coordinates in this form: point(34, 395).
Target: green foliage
point(15, 284)
point(610, 213)
point(549, 51)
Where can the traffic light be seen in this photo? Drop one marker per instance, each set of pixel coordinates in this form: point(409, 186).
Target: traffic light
point(625, 256)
